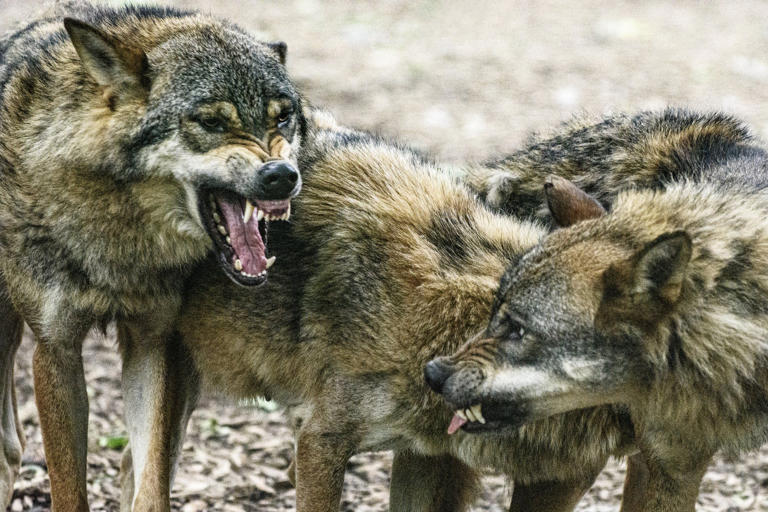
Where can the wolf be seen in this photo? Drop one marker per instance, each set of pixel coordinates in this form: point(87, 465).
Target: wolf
point(659, 305)
point(389, 261)
point(605, 155)
point(133, 143)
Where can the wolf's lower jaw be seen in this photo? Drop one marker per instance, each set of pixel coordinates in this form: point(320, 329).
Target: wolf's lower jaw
point(462, 417)
point(238, 229)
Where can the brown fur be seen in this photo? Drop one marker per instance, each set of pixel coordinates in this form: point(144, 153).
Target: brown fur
point(659, 305)
point(104, 152)
point(388, 262)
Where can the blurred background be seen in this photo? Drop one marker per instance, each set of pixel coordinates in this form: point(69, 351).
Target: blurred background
point(464, 81)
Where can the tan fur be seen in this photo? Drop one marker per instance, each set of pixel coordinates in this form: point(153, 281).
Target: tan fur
point(101, 168)
point(676, 277)
point(400, 263)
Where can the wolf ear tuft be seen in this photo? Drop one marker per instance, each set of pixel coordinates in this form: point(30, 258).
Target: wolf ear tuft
point(280, 48)
point(108, 61)
point(659, 267)
point(568, 204)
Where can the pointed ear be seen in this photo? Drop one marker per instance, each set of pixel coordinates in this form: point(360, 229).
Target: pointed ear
point(568, 204)
point(280, 48)
point(659, 268)
point(111, 63)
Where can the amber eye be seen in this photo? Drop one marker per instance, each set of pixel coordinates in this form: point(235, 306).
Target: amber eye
point(212, 124)
point(284, 118)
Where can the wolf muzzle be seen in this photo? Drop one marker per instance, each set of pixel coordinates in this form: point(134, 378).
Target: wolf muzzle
point(277, 180)
point(436, 372)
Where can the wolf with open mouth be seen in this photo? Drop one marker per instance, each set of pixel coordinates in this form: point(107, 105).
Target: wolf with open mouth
point(133, 141)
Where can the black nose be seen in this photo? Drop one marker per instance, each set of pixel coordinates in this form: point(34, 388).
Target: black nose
point(436, 373)
point(278, 179)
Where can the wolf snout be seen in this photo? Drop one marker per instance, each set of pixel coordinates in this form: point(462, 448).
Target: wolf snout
point(436, 372)
point(278, 180)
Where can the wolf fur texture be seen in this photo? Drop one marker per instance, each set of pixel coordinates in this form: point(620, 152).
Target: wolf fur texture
point(133, 142)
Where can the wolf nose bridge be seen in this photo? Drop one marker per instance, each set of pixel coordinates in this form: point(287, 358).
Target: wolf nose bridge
point(436, 372)
point(277, 180)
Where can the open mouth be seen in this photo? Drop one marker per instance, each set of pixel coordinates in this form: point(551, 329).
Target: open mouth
point(238, 229)
point(475, 419)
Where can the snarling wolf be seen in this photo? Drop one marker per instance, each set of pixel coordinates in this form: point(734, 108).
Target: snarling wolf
point(659, 305)
point(388, 262)
point(133, 142)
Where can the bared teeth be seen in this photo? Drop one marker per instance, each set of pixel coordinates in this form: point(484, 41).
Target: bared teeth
point(229, 240)
point(260, 215)
point(461, 415)
point(478, 415)
point(216, 217)
point(248, 212)
point(222, 230)
point(283, 216)
point(470, 415)
point(246, 274)
point(271, 261)
point(238, 265)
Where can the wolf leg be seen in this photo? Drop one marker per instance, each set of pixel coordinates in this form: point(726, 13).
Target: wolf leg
point(552, 495)
point(430, 484)
point(62, 404)
point(127, 488)
point(11, 433)
point(322, 452)
point(674, 491)
point(160, 392)
point(635, 483)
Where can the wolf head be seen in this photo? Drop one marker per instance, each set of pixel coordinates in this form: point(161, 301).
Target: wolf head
point(572, 324)
point(204, 107)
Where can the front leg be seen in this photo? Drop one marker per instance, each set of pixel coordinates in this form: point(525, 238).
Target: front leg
point(635, 483)
point(62, 404)
point(431, 484)
point(552, 495)
point(11, 433)
point(160, 389)
point(324, 445)
point(674, 490)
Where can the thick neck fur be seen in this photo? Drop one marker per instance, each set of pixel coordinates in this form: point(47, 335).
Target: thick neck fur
point(717, 335)
point(385, 252)
point(402, 234)
point(388, 263)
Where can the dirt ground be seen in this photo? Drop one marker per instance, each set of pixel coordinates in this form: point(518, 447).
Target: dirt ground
point(465, 81)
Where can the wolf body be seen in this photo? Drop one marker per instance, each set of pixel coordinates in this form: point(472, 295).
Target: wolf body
point(133, 142)
point(388, 262)
point(659, 305)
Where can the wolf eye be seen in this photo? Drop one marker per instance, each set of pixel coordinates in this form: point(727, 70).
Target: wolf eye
point(284, 118)
point(212, 124)
point(516, 331)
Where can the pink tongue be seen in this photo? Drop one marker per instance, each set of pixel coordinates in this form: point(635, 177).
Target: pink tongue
point(456, 423)
point(245, 238)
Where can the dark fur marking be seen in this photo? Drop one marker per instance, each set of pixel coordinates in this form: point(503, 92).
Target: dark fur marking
point(675, 352)
point(447, 232)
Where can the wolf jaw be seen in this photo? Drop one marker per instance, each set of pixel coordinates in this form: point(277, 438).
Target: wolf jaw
point(487, 417)
point(238, 228)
